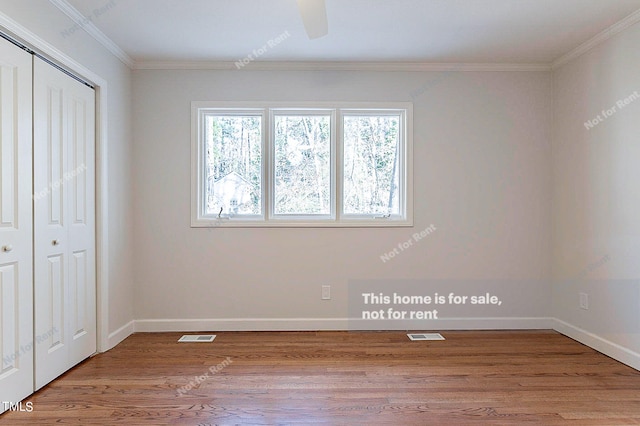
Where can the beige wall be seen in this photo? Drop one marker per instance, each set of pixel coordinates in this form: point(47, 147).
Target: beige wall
point(482, 177)
point(596, 197)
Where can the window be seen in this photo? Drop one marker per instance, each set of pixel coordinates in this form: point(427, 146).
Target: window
point(371, 151)
point(232, 164)
point(301, 165)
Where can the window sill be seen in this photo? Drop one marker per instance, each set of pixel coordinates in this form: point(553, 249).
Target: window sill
point(240, 223)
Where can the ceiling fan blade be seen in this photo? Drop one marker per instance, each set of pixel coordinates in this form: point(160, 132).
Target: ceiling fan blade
point(314, 17)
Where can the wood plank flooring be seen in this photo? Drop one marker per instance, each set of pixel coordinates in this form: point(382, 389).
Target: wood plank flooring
point(342, 378)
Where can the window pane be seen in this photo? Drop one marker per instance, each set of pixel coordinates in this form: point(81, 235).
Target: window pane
point(371, 172)
point(302, 164)
point(233, 156)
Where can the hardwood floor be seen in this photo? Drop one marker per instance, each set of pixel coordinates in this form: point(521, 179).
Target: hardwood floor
point(474, 377)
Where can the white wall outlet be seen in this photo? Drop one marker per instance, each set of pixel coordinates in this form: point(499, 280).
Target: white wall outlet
point(584, 301)
point(326, 292)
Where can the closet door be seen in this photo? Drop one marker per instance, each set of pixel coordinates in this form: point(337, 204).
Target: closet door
point(64, 222)
point(16, 278)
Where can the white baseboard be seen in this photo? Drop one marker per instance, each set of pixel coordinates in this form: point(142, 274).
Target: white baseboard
point(614, 350)
point(119, 335)
point(313, 324)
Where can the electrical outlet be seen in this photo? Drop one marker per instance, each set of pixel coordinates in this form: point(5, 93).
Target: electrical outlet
point(326, 292)
point(584, 301)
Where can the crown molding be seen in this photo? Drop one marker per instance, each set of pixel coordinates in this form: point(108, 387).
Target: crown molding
point(338, 66)
point(598, 39)
point(381, 66)
point(42, 47)
point(84, 23)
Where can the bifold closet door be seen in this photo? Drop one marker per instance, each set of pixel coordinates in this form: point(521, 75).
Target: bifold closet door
point(16, 251)
point(64, 222)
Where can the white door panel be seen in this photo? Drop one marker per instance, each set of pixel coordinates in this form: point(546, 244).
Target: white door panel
point(16, 250)
point(64, 219)
point(81, 226)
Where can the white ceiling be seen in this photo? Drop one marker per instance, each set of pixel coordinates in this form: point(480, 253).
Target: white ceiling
point(470, 31)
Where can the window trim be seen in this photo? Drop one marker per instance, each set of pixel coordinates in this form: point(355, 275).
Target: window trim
point(402, 163)
point(198, 159)
point(281, 217)
point(337, 219)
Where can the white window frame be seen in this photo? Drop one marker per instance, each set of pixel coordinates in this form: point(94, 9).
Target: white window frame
point(403, 160)
point(268, 110)
point(302, 218)
point(198, 168)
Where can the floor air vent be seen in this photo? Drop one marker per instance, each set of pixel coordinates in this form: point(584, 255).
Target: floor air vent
point(425, 336)
point(197, 338)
